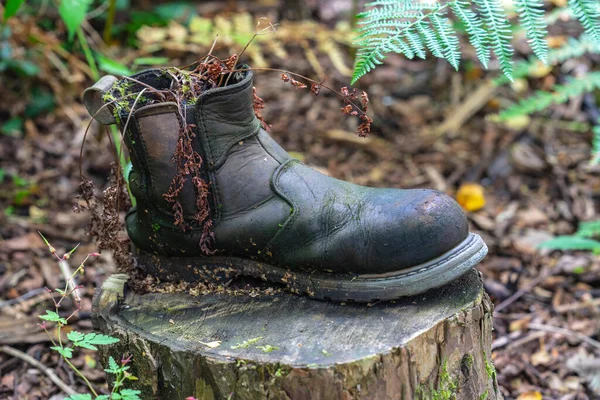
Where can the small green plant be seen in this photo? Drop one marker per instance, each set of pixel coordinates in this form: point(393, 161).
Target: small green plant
point(410, 27)
point(83, 340)
point(583, 239)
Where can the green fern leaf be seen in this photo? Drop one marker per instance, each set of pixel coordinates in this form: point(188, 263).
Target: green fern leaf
point(499, 35)
point(397, 44)
point(430, 39)
point(588, 12)
point(386, 27)
point(531, 14)
point(415, 42)
point(474, 27)
point(596, 147)
point(561, 94)
point(450, 44)
point(572, 49)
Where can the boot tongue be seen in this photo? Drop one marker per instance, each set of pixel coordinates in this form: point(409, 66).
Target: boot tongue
point(226, 116)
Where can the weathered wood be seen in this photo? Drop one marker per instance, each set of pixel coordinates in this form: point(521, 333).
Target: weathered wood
point(432, 346)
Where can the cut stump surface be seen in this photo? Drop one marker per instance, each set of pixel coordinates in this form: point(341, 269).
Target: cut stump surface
point(218, 346)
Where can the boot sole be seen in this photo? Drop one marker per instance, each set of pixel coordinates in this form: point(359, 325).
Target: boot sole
point(362, 288)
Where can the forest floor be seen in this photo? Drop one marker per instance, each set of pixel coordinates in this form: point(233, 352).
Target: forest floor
point(537, 183)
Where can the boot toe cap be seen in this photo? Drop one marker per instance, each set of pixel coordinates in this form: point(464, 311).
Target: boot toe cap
point(419, 226)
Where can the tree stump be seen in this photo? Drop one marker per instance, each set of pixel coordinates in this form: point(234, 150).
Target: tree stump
point(432, 346)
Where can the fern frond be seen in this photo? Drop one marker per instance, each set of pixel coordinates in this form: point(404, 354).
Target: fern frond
point(430, 38)
point(588, 13)
point(496, 24)
point(394, 11)
point(596, 151)
point(415, 42)
point(388, 27)
point(575, 47)
point(474, 27)
point(531, 15)
point(450, 44)
point(561, 94)
point(398, 45)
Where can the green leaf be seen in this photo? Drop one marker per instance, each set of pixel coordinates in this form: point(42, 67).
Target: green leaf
point(85, 396)
point(103, 397)
point(531, 14)
point(12, 127)
point(111, 66)
point(130, 394)
point(571, 243)
point(474, 27)
point(73, 13)
point(90, 340)
point(53, 317)
point(42, 101)
point(66, 352)
point(151, 61)
point(588, 13)
point(11, 8)
point(588, 229)
point(450, 44)
point(496, 24)
point(75, 336)
point(113, 367)
point(560, 94)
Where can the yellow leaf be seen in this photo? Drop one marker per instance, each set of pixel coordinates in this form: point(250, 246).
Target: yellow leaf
point(530, 396)
point(470, 196)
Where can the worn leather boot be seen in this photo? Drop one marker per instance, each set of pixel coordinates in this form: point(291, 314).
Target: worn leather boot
point(273, 217)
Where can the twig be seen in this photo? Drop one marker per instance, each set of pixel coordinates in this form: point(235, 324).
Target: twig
point(48, 371)
point(519, 293)
point(566, 332)
point(474, 102)
point(28, 295)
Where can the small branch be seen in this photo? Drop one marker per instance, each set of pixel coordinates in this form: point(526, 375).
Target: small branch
point(519, 293)
point(48, 371)
point(565, 332)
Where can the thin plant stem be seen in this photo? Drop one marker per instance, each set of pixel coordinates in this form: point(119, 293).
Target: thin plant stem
point(88, 54)
point(110, 19)
point(78, 372)
point(358, 108)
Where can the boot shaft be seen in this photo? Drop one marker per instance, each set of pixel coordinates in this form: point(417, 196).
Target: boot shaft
point(218, 120)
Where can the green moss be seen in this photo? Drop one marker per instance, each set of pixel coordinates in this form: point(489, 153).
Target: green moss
point(466, 364)
point(489, 368)
point(246, 343)
point(484, 396)
point(491, 371)
point(446, 387)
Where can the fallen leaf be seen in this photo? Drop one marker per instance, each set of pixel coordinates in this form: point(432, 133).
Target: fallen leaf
point(470, 196)
point(530, 396)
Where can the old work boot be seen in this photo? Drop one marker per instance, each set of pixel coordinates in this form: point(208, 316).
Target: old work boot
point(273, 217)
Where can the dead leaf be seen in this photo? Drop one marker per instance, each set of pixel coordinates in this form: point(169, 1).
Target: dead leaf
point(530, 396)
point(470, 196)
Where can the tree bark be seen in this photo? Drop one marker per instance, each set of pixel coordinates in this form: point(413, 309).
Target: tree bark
point(433, 346)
